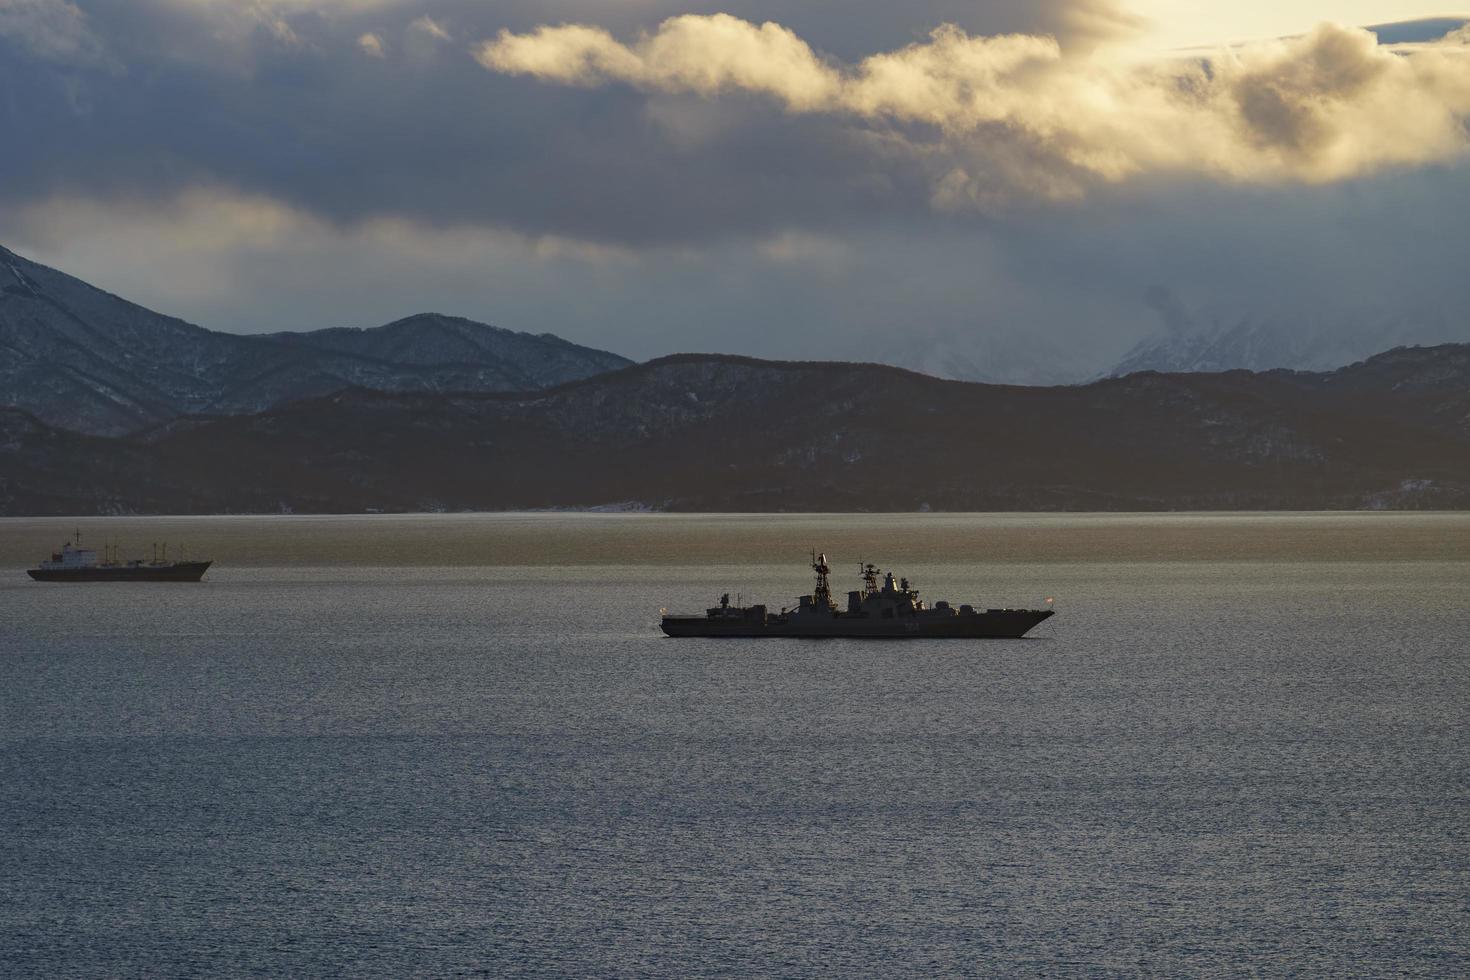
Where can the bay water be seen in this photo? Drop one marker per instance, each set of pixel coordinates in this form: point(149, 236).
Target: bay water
point(459, 745)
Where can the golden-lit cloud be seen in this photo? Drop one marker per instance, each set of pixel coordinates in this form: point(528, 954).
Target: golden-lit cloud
point(1018, 114)
point(372, 45)
point(691, 53)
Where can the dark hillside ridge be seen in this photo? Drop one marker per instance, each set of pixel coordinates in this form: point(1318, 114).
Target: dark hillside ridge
point(715, 433)
point(82, 359)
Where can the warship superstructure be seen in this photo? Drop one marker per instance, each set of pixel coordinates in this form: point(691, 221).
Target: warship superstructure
point(73, 563)
point(890, 610)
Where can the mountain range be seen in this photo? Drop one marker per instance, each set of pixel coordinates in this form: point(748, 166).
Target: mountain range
point(115, 409)
point(79, 358)
point(1197, 341)
point(715, 433)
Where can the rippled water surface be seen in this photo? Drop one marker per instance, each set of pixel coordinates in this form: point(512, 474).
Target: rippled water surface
point(454, 744)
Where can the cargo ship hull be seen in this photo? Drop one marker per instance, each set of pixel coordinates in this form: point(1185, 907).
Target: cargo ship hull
point(181, 571)
point(995, 624)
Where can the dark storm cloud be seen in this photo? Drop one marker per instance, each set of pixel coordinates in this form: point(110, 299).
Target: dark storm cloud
point(283, 100)
point(356, 110)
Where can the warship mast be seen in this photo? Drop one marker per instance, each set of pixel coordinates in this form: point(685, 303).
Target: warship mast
point(822, 594)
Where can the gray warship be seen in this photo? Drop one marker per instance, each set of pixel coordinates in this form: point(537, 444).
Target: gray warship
point(890, 611)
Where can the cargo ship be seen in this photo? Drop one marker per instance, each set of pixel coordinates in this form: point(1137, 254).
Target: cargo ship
point(73, 563)
point(891, 610)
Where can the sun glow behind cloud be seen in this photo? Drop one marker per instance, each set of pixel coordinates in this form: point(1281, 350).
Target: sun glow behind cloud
point(1020, 115)
point(1175, 24)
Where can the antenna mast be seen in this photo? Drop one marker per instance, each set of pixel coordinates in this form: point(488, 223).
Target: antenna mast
point(822, 595)
point(870, 579)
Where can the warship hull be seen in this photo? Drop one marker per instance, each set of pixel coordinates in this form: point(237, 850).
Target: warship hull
point(181, 571)
point(995, 624)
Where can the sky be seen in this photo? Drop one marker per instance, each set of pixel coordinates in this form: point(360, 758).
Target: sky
point(981, 188)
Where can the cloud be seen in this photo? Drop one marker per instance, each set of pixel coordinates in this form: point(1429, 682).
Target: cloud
point(372, 45)
point(53, 30)
point(703, 55)
point(217, 244)
point(429, 26)
point(212, 92)
point(1020, 113)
